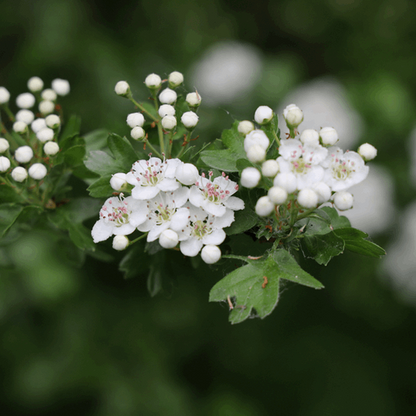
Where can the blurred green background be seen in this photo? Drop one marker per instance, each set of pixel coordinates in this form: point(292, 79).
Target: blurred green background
point(85, 341)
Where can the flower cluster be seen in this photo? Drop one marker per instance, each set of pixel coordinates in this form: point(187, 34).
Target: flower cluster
point(309, 170)
point(173, 204)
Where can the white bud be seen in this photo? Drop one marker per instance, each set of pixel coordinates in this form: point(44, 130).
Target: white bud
point(310, 137)
point(4, 145)
point(245, 127)
point(122, 88)
point(168, 239)
point(323, 191)
point(307, 198)
point(189, 119)
point(53, 121)
point(210, 254)
point(19, 174)
point(263, 114)
point(277, 195)
point(45, 134)
point(137, 133)
point(293, 115)
point(51, 148)
point(4, 95)
point(35, 84)
point(193, 99)
point(20, 127)
point(23, 154)
point(343, 200)
point(256, 137)
point(153, 81)
point(270, 168)
point(120, 242)
point(250, 177)
point(287, 181)
point(38, 125)
point(187, 173)
point(25, 115)
point(329, 136)
point(46, 107)
point(25, 100)
point(135, 119)
point(37, 171)
point(118, 180)
point(175, 79)
point(61, 86)
point(49, 95)
point(4, 163)
point(166, 110)
point(264, 206)
point(169, 122)
point(367, 151)
point(256, 154)
point(168, 96)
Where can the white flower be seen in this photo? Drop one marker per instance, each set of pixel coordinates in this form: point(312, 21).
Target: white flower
point(53, 121)
point(135, 119)
point(210, 254)
point(119, 216)
point(20, 127)
point(187, 173)
point(264, 206)
point(19, 174)
point(168, 122)
point(277, 195)
point(193, 99)
point(168, 96)
point(287, 181)
point(45, 134)
point(23, 154)
point(153, 81)
point(168, 239)
point(4, 145)
point(38, 125)
point(189, 119)
point(37, 171)
point(256, 137)
point(343, 200)
point(310, 137)
point(118, 180)
point(4, 95)
point(166, 110)
point(4, 164)
point(122, 88)
point(61, 86)
point(49, 95)
point(175, 79)
point(51, 148)
point(329, 136)
point(149, 177)
point(256, 153)
point(120, 242)
point(270, 168)
point(367, 151)
point(293, 115)
point(215, 196)
point(263, 114)
point(245, 127)
point(323, 191)
point(46, 107)
point(25, 115)
point(35, 84)
point(250, 177)
point(137, 133)
point(307, 198)
point(25, 100)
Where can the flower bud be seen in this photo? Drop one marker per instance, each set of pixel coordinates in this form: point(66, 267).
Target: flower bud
point(189, 119)
point(25, 115)
point(287, 181)
point(49, 95)
point(118, 180)
point(175, 79)
point(256, 154)
point(250, 177)
point(122, 88)
point(343, 200)
point(4, 164)
point(256, 137)
point(4, 145)
point(187, 174)
point(193, 99)
point(45, 134)
point(153, 81)
point(137, 133)
point(169, 122)
point(168, 239)
point(53, 121)
point(4, 95)
point(310, 137)
point(264, 206)
point(19, 174)
point(270, 168)
point(20, 127)
point(367, 151)
point(51, 148)
point(168, 96)
point(35, 84)
point(210, 254)
point(120, 242)
point(323, 191)
point(38, 125)
point(135, 119)
point(263, 114)
point(166, 110)
point(23, 154)
point(277, 195)
point(46, 107)
point(329, 136)
point(61, 86)
point(37, 171)
point(293, 115)
point(245, 127)
point(307, 198)
point(25, 100)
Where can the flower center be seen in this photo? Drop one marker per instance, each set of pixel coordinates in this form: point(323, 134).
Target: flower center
point(200, 229)
point(342, 170)
point(300, 167)
point(119, 215)
point(163, 214)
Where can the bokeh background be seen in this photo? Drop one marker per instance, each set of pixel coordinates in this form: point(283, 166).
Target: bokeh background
point(86, 341)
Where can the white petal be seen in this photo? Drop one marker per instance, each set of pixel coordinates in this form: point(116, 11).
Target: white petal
point(101, 231)
point(225, 221)
point(196, 197)
point(234, 203)
point(214, 209)
point(155, 232)
point(216, 237)
point(125, 229)
point(144, 192)
point(191, 247)
point(168, 185)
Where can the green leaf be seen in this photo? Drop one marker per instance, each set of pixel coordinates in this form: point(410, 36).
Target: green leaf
point(8, 215)
point(81, 236)
point(101, 188)
point(9, 194)
point(72, 127)
point(234, 140)
point(135, 262)
point(336, 220)
point(102, 163)
point(271, 129)
point(356, 241)
point(74, 156)
point(223, 160)
point(244, 220)
point(322, 247)
point(95, 140)
point(122, 151)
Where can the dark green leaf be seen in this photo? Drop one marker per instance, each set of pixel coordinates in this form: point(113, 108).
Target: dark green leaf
point(72, 127)
point(355, 240)
point(234, 140)
point(122, 151)
point(81, 236)
point(271, 129)
point(101, 188)
point(102, 163)
point(74, 156)
point(322, 247)
point(135, 262)
point(336, 220)
point(8, 215)
point(95, 140)
point(223, 160)
point(244, 220)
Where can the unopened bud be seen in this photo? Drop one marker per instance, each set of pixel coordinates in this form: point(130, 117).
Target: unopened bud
point(38, 125)
point(168, 122)
point(120, 242)
point(270, 168)
point(166, 110)
point(168, 239)
point(53, 121)
point(187, 174)
point(189, 119)
point(25, 100)
point(264, 206)
point(263, 114)
point(51, 148)
point(137, 133)
point(256, 154)
point(49, 95)
point(118, 180)
point(4, 164)
point(23, 154)
point(245, 127)
point(250, 177)
point(175, 79)
point(19, 174)
point(122, 88)
point(45, 135)
point(193, 99)
point(4, 95)
point(329, 136)
point(153, 81)
point(20, 127)
point(168, 96)
point(35, 84)
point(256, 137)
point(307, 198)
point(287, 181)
point(210, 254)
point(25, 115)
point(61, 86)
point(310, 137)
point(135, 119)
point(367, 151)
point(277, 195)
point(4, 145)
point(37, 171)
point(293, 115)
point(323, 191)
point(343, 200)
point(46, 107)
